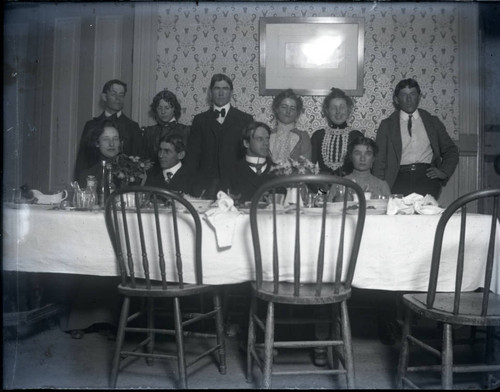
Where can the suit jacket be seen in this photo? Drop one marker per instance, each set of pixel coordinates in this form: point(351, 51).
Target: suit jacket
point(213, 149)
point(179, 182)
point(245, 181)
point(153, 134)
point(387, 162)
point(130, 134)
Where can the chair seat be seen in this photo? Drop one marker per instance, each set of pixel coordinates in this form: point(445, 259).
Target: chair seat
point(307, 296)
point(470, 308)
point(157, 290)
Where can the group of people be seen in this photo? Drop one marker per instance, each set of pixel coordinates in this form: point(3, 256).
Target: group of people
point(225, 149)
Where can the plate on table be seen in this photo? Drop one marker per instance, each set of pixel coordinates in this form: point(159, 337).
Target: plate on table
point(200, 205)
point(370, 210)
point(18, 206)
point(313, 211)
point(335, 208)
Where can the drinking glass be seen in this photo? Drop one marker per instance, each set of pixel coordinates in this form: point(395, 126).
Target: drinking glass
point(309, 199)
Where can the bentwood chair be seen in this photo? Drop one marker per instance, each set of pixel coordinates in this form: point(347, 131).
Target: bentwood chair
point(458, 308)
point(285, 247)
point(149, 245)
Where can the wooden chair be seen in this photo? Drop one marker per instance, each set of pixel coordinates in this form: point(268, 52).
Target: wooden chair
point(476, 309)
point(298, 292)
point(143, 233)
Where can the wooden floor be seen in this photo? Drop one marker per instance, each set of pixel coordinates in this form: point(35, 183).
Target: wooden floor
point(46, 357)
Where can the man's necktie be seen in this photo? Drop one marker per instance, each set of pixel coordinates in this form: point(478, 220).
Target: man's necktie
point(221, 113)
point(409, 124)
point(258, 167)
point(169, 177)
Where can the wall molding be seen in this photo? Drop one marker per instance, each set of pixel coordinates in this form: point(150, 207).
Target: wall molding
point(144, 60)
point(107, 54)
point(469, 97)
point(64, 102)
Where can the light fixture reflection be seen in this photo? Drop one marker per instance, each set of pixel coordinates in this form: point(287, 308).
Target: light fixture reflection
point(322, 50)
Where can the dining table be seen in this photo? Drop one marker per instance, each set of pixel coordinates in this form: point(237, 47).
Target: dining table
point(395, 251)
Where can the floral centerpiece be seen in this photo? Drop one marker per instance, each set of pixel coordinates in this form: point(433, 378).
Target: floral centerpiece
point(292, 166)
point(129, 169)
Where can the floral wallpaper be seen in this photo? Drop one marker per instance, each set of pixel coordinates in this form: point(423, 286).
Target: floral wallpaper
point(402, 40)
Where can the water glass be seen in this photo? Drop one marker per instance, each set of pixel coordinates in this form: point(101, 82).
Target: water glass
point(309, 199)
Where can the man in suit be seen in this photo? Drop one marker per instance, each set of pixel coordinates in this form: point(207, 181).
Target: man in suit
point(214, 143)
point(252, 171)
point(113, 94)
point(416, 154)
point(171, 174)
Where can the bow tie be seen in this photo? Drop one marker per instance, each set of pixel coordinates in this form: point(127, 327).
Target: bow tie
point(257, 166)
point(221, 113)
point(336, 126)
point(168, 177)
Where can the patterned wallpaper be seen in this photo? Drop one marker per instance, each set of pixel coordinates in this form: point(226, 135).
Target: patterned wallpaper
point(402, 40)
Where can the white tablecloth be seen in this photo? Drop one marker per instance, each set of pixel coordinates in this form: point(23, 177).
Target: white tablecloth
point(395, 250)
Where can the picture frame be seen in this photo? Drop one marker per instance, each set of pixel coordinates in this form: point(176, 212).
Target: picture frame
point(311, 55)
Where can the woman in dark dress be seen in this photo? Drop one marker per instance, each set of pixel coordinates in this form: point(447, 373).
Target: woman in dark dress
point(166, 110)
point(106, 143)
point(93, 301)
point(329, 145)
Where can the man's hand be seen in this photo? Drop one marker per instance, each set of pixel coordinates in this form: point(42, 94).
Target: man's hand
point(436, 173)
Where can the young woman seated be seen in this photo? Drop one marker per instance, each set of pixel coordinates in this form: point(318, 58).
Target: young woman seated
point(106, 143)
point(359, 160)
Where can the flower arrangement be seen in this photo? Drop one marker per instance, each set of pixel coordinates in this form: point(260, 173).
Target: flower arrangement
point(129, 169)
point(291, 166)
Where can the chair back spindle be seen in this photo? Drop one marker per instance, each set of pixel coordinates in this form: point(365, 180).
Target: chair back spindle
point(293, 241)
point(461, 204)
point(151, 216)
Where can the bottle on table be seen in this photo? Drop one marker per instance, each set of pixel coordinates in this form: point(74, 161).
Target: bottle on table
point(91, 192)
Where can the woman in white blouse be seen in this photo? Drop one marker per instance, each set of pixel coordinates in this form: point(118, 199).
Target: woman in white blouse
point(286, 140)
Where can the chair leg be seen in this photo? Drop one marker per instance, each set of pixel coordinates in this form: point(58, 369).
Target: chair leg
point(447, 358)
point(181, 360)
point(404, 354)
point(268, 346)
point(219, 325)
point(333, 357)
point(251, 339)
point(119, 341)
point(346, 336)
point(151, 335)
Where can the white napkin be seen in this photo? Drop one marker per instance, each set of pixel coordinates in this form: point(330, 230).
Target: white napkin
point(414, 203)
point(428, 206)
point(223, 219)
point(225, 202)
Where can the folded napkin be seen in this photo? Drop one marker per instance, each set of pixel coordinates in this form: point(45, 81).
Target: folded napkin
point(223, 219)
point(413, 203)
point(291, 197)
point(427, 206)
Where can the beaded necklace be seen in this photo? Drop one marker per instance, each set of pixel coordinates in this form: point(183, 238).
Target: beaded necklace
point(334, 147)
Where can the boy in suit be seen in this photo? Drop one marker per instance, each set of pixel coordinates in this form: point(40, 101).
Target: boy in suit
point(214, 142)
point(171, 174)
point(113, 95)
point(416, 154)
point(251, 172)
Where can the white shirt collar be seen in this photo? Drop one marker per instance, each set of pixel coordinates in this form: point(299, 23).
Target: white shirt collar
point(404, 116)
point(226, 106)
point(257, 160)
point(108, 114)
point(172, 169)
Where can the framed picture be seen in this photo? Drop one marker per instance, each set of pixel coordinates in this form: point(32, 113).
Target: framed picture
point(311, 55)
